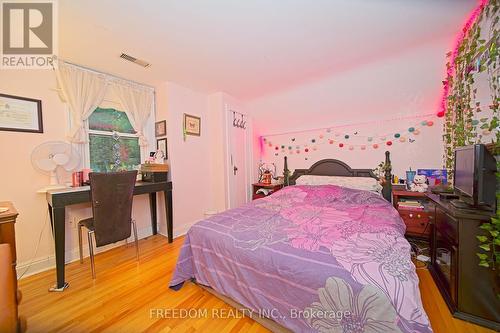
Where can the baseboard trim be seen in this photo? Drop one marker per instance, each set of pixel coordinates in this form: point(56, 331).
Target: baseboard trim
point(182, 230)
point(29, 268)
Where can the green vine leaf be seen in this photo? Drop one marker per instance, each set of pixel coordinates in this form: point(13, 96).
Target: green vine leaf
point(482, 256)
point(486, 226)
point(482, 239)
point(484, 264)
point(485, 247)
point(469, 119)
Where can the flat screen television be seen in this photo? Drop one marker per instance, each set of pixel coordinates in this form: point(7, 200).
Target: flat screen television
point(474, 177)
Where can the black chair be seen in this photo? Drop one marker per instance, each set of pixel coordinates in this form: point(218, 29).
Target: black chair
point(111, 196)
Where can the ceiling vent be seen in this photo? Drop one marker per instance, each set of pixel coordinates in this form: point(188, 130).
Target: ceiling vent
point(139, 62)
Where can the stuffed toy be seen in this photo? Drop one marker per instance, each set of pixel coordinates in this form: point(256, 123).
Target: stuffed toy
point(419, 184)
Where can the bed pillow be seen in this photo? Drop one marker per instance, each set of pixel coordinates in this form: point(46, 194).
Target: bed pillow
point(357, 183)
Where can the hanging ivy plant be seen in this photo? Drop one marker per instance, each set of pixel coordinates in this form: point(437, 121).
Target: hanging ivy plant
point(466, 122)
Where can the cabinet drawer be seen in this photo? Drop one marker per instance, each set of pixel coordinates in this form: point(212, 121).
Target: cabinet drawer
point(416, 221)
point(418, 229)
point(414, 216)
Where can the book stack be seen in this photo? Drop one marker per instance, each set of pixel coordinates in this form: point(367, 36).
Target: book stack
point(411, 204)
point(154, 167)
point(398, 187)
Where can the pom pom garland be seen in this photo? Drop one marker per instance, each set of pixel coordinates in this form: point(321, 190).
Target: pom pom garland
point(354, 141)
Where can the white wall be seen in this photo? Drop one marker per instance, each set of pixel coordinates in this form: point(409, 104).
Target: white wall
point(218, 151)
point(403, 84)
point(188, 159)
point(197, 164)
point(19, 180)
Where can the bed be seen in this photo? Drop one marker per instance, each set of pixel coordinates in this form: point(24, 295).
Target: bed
point(310, 258)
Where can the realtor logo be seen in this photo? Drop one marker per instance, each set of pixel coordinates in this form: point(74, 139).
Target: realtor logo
point(28, 34)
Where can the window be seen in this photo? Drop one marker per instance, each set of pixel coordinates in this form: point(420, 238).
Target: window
point(113, 142)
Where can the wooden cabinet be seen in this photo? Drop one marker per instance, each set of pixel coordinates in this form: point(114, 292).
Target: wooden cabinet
point(258, 186)
point(7, 230)
point(417, 219)
point(9, 321)
point(468, 289)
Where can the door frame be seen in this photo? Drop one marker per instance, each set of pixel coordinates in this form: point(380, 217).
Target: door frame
point(248, 153)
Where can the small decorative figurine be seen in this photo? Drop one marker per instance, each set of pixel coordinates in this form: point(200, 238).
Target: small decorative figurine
point(266, 168)
point(159, 157)
point(267, 177)
point(419, 184)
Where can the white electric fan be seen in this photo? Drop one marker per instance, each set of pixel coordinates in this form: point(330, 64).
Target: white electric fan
point(50, 156)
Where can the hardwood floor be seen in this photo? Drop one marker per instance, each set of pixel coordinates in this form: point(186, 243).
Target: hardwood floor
point(125, 293)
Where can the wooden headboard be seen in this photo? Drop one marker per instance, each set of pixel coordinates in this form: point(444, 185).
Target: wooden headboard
point(332, 167)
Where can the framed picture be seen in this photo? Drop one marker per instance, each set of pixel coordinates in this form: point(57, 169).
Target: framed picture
point(20, 114)
point(161, 128)
point(192, 125)
point(161, 144)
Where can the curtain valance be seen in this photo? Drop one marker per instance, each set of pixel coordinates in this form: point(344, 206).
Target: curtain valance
point(83, 90)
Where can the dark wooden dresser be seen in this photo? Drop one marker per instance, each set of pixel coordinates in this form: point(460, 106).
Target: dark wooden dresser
point(468, 289)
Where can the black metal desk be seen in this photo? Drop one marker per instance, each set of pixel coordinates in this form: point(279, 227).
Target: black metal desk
point(59, 199)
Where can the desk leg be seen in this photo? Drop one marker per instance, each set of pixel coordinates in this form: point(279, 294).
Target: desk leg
point(50, 216)
point(57, 219)
point(169, 215)
point(152, 208)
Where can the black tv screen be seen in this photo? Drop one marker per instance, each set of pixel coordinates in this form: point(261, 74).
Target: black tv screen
point(474, 175)
point(464, 170)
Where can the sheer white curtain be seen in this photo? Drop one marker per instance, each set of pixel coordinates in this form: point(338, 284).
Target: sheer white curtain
point(137, 102)
point(83, 91)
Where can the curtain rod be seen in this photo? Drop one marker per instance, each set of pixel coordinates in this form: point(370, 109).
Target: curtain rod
point(100, 72)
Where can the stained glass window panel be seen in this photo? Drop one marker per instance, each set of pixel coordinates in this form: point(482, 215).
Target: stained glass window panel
point(113, 153)
point(110, 120)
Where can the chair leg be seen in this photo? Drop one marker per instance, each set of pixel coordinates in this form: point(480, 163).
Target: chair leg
point(80, 243)
point(91, 250)
point(135, 239)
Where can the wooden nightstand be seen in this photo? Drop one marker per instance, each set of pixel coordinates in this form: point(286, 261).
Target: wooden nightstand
point(416, 211)
point(257, 186)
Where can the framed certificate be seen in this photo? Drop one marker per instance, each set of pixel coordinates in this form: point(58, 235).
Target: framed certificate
point(20, 114)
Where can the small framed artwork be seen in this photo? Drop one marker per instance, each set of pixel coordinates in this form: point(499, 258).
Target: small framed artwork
point(161, 144)
point(192, 125)
point(161, 128)
point(20, 114)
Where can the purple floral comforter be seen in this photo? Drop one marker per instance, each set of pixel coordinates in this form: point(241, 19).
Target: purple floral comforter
point(314, 258)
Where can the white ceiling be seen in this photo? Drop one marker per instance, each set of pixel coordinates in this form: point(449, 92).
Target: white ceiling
point(248, 48)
